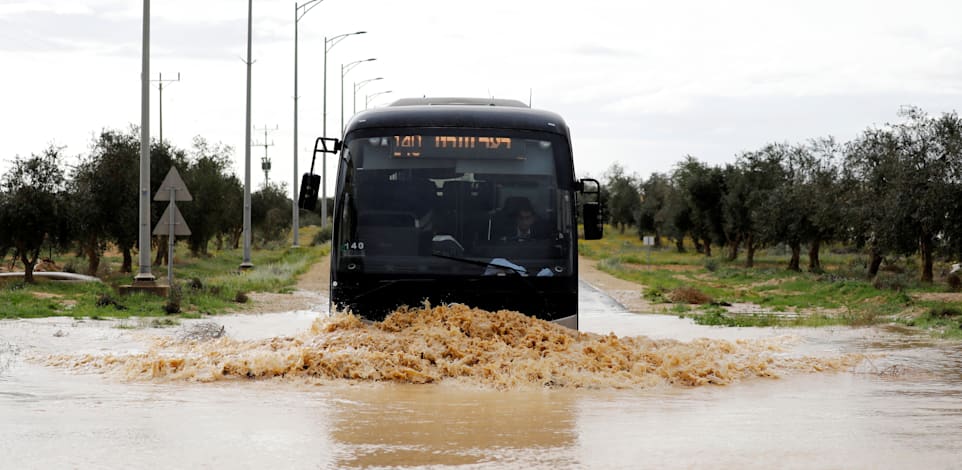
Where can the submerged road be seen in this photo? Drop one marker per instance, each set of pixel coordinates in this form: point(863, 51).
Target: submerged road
point(901, 409)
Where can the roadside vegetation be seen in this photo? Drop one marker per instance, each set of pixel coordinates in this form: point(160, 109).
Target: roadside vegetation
point(818, 232)
point(80, 214)
point(718, 291)
point(205, 285)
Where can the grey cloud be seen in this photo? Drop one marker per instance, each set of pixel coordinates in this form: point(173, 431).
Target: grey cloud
point(40, 32)
point(716, 129)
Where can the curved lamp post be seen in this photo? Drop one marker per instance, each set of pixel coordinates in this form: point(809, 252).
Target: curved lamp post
point(328, 45)
point(345, 68)
point(359, 85)
point(367, 98)
point(299, 11)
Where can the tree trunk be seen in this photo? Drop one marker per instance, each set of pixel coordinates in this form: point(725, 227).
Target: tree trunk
point(793, 264)
point(621, 228)
point(128, 264)
point(680, 244)
point(814, 265)
point(28, 265)
point(93, 259)
point(925, 248)
point(235, 241)
point(875, 263)
point(707, 244)
point(698, 247)
point(733, 249)
point(161, 257)
point(657, 239)
point(749, 252)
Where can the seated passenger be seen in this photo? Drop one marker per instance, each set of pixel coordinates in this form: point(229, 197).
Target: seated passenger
point(523, 223)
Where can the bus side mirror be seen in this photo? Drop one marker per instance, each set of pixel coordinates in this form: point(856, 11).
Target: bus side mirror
point(591, 217)
point(592, 220)
point(311, 183)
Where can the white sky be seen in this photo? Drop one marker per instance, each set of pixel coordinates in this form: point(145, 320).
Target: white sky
point(641, 83)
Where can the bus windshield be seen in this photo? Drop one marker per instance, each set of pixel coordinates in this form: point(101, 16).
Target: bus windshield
point(455, 202)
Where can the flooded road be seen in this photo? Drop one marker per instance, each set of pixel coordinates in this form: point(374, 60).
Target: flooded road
point(901, 407)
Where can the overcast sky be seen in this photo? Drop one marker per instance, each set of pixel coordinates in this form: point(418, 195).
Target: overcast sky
point(640, 83)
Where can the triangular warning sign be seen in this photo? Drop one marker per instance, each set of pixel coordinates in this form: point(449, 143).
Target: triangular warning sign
point(180, 226)
point(173, 181)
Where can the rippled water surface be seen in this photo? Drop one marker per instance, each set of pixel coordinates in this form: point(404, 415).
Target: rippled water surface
point(901, 407)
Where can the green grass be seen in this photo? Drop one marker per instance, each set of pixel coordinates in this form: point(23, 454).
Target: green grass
point(276, 270)
point(838, 295)
point(944, 319)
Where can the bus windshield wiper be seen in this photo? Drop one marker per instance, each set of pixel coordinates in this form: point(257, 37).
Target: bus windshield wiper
point(485, 264)
point(522, 273)
point(388, 283)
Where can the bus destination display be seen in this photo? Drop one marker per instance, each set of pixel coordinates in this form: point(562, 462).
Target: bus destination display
point(448, 146)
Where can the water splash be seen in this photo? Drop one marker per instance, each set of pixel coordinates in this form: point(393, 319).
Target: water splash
point(501, 349)
point(8, 355)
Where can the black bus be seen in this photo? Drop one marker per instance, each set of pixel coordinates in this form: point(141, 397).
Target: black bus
point(448, 200)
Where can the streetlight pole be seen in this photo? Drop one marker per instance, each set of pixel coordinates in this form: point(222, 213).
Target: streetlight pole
point(328, 45)
point(367, 98)
point(359, 85)
point(299, 11)
point(344, 70)
point(246, 263)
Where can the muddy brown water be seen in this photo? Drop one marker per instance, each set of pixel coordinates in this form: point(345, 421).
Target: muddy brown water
point(64, 405)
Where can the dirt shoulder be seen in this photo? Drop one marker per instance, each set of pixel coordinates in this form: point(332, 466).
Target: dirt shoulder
point(627, 293)
point(310, 293)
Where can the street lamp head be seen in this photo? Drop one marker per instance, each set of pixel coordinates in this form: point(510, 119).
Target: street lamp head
point(361, 32)
point(368, 60)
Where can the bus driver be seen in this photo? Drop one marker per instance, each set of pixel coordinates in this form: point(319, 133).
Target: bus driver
point(524, 224)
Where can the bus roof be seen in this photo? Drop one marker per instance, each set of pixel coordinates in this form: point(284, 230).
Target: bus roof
point(459, 112)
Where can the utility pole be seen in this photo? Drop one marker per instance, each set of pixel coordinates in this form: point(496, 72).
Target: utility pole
point(160, 86)
point(265, 160)
point(144, 276)
point(246, 262)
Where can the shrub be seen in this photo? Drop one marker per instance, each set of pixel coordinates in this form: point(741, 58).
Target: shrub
point(891, 268)
point(711, 264)
point(610, 264)
point(195, 284)
point(173, 302)
point(954, 281)
point(689, 295)
point(70, 266)
point(655, 295)
point(275, 226)
point(241, 297)
point(322, 236)
point(944, 312)
point(105, 300)
point(104, 271)
point(887, 280)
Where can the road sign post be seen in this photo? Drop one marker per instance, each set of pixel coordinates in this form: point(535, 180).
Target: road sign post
point(649, 241)
point(172, 189)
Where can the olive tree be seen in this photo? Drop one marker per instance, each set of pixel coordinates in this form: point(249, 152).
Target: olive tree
point(32, 212)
